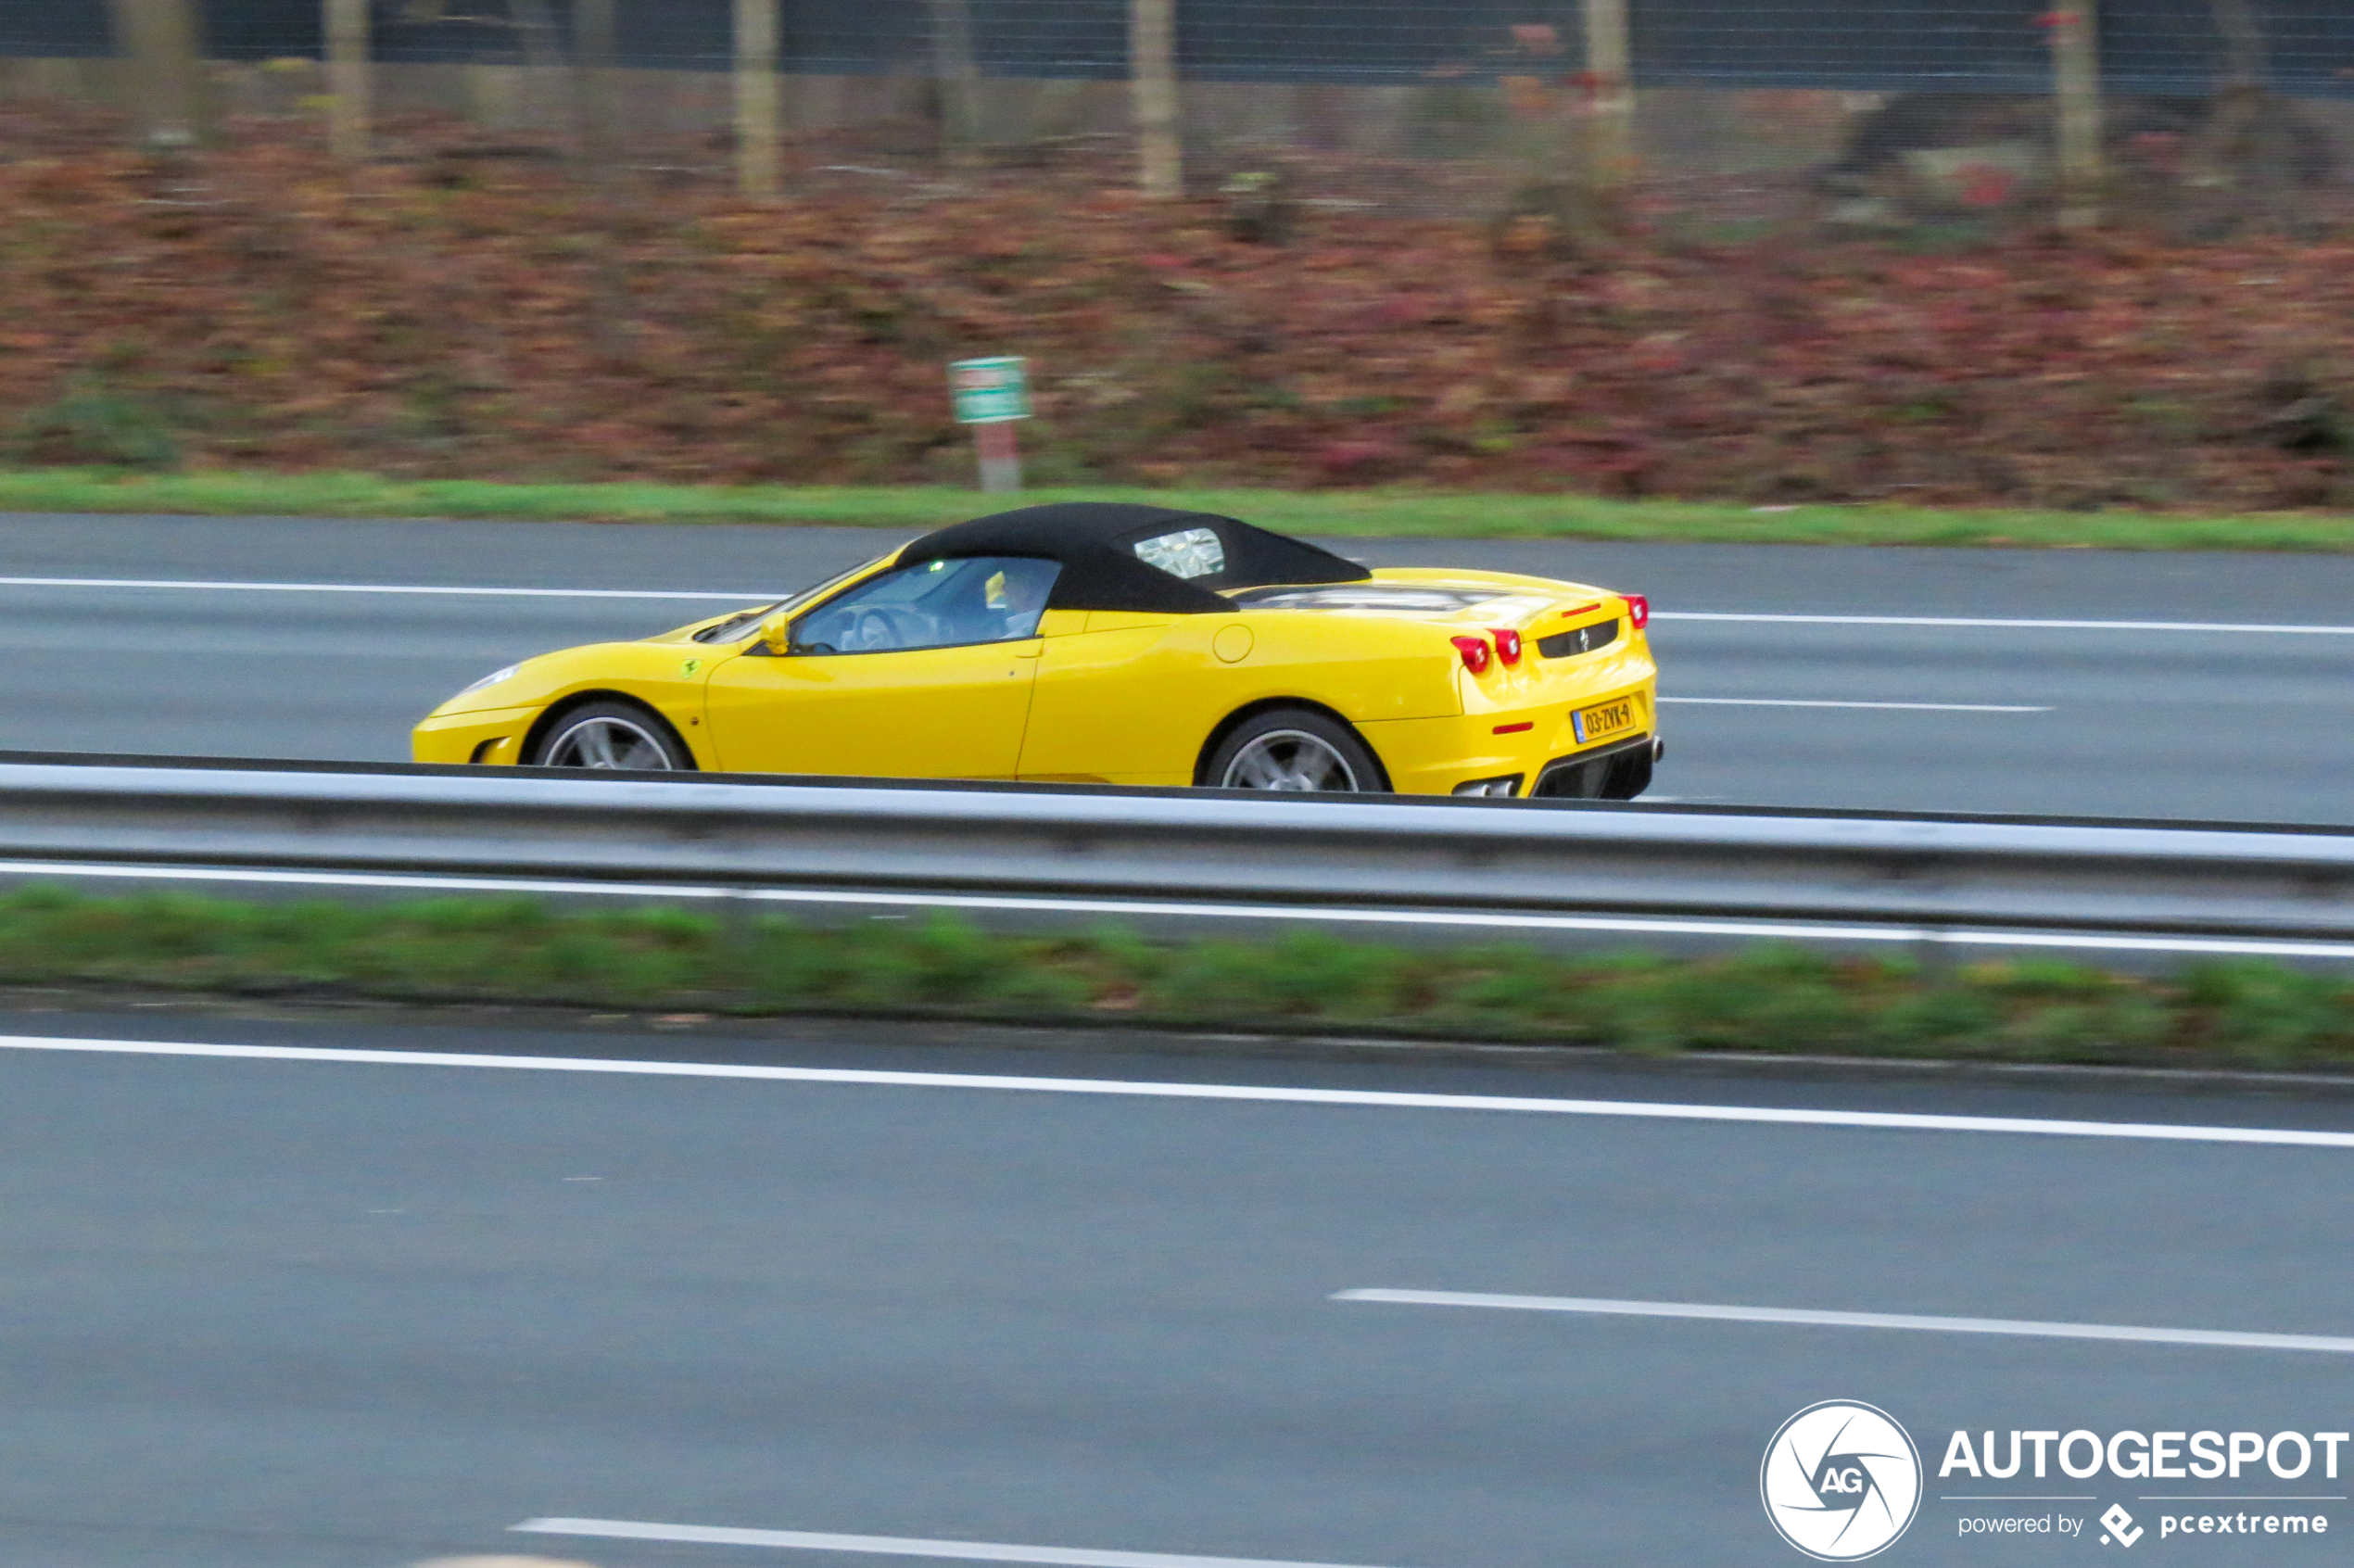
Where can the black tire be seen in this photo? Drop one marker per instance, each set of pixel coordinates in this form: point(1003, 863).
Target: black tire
point(1295, 749)
point(611, 734)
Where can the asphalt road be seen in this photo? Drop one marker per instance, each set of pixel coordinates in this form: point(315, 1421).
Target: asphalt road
point(280, 1314)
point(2158, 723)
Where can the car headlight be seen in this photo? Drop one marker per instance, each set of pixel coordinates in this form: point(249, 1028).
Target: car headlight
point(493, 678)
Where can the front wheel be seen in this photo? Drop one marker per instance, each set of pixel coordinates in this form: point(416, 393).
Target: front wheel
point(1296, 750)
point(611, 735)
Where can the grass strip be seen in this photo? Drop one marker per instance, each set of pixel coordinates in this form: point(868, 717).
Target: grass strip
point(1370, 513)
point(1770, 999)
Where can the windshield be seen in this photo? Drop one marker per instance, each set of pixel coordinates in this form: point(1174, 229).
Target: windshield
point(737, 627)
point(938, 604)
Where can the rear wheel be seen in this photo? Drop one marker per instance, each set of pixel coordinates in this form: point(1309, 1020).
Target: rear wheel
point(1296, 750)
point(611, 735)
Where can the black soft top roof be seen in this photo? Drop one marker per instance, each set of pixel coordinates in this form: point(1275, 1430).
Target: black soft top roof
point(1096, 543)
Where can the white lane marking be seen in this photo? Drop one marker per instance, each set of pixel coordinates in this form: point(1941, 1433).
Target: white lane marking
point(2296, 1137)
point(1812, 703)
point(2223, 1338)
point(350, 880)
point(1761, 929)
point(372, 587)
point(892, 1546)
point(756, 598)
point(1507, 920)
point(1991, 621)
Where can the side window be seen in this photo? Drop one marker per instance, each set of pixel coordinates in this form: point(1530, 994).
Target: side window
point(937, 605)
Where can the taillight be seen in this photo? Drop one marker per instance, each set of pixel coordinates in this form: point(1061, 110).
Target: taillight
point(1507, 644)
point(1475, 653)
point(1638, 610)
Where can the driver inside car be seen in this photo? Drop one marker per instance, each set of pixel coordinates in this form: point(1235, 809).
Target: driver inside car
point(941, 603)
point(991, 600)
point(1016, 595)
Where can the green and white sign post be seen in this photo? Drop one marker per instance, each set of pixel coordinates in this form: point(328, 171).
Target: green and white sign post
point(989, 395)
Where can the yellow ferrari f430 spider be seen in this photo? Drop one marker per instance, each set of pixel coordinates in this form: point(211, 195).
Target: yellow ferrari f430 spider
point(1089, 643)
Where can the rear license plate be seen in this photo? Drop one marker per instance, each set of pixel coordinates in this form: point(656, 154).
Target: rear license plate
point(1598, 724)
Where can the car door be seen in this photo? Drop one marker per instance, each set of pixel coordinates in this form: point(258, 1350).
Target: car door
point(923, 672)
point(1130, 699)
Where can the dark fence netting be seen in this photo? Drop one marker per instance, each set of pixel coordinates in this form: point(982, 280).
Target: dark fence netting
point(2151, 47)
point(39, 28)
point(1746, 115)
point(2158, 46)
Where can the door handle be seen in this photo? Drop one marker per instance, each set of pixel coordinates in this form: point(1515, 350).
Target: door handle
point(1030, 652)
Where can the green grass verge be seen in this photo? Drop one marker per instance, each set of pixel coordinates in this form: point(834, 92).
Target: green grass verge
point(1774, 999)
point(1398, 513)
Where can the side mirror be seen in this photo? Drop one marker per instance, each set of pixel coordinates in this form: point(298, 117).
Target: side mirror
point(776, 632)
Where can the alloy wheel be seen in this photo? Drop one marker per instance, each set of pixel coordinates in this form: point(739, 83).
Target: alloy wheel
point(1290, 760)
point(607, 743)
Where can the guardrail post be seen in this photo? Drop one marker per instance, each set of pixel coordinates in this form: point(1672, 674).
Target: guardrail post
point(758, 103)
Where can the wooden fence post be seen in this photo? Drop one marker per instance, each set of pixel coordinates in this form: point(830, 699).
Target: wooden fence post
point(1152, 66)
point(1610, 96)
point(956, 75)
point(596, 52)
point(759, 108)
point(162, 40)
point(2076, 82)
point(348, 79)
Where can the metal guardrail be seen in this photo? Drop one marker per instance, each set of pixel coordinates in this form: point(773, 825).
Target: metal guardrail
point(2009, 874)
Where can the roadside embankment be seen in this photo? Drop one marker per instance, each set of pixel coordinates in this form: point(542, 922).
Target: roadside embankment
point(2237, 1014)
point(1393, 513)
point(462, 310)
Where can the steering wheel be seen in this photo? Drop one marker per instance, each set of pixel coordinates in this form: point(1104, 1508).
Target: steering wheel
point(881, 628)
point(871, 630)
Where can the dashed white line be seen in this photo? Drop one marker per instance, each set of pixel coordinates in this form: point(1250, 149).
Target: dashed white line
point(1818, 702)
point(1764, 930)
point(2213, 1338)
point(1780, 1116)
point(890, 1546)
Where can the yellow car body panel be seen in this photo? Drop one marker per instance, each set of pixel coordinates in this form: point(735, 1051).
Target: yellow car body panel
point(487, 736)
point(664, 673)
point(1113, 696)
point(1134, 702)
point(916, 713)
point(1431, 756)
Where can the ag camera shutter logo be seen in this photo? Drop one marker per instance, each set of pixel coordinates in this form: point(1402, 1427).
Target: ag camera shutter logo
point(1842, 1480)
